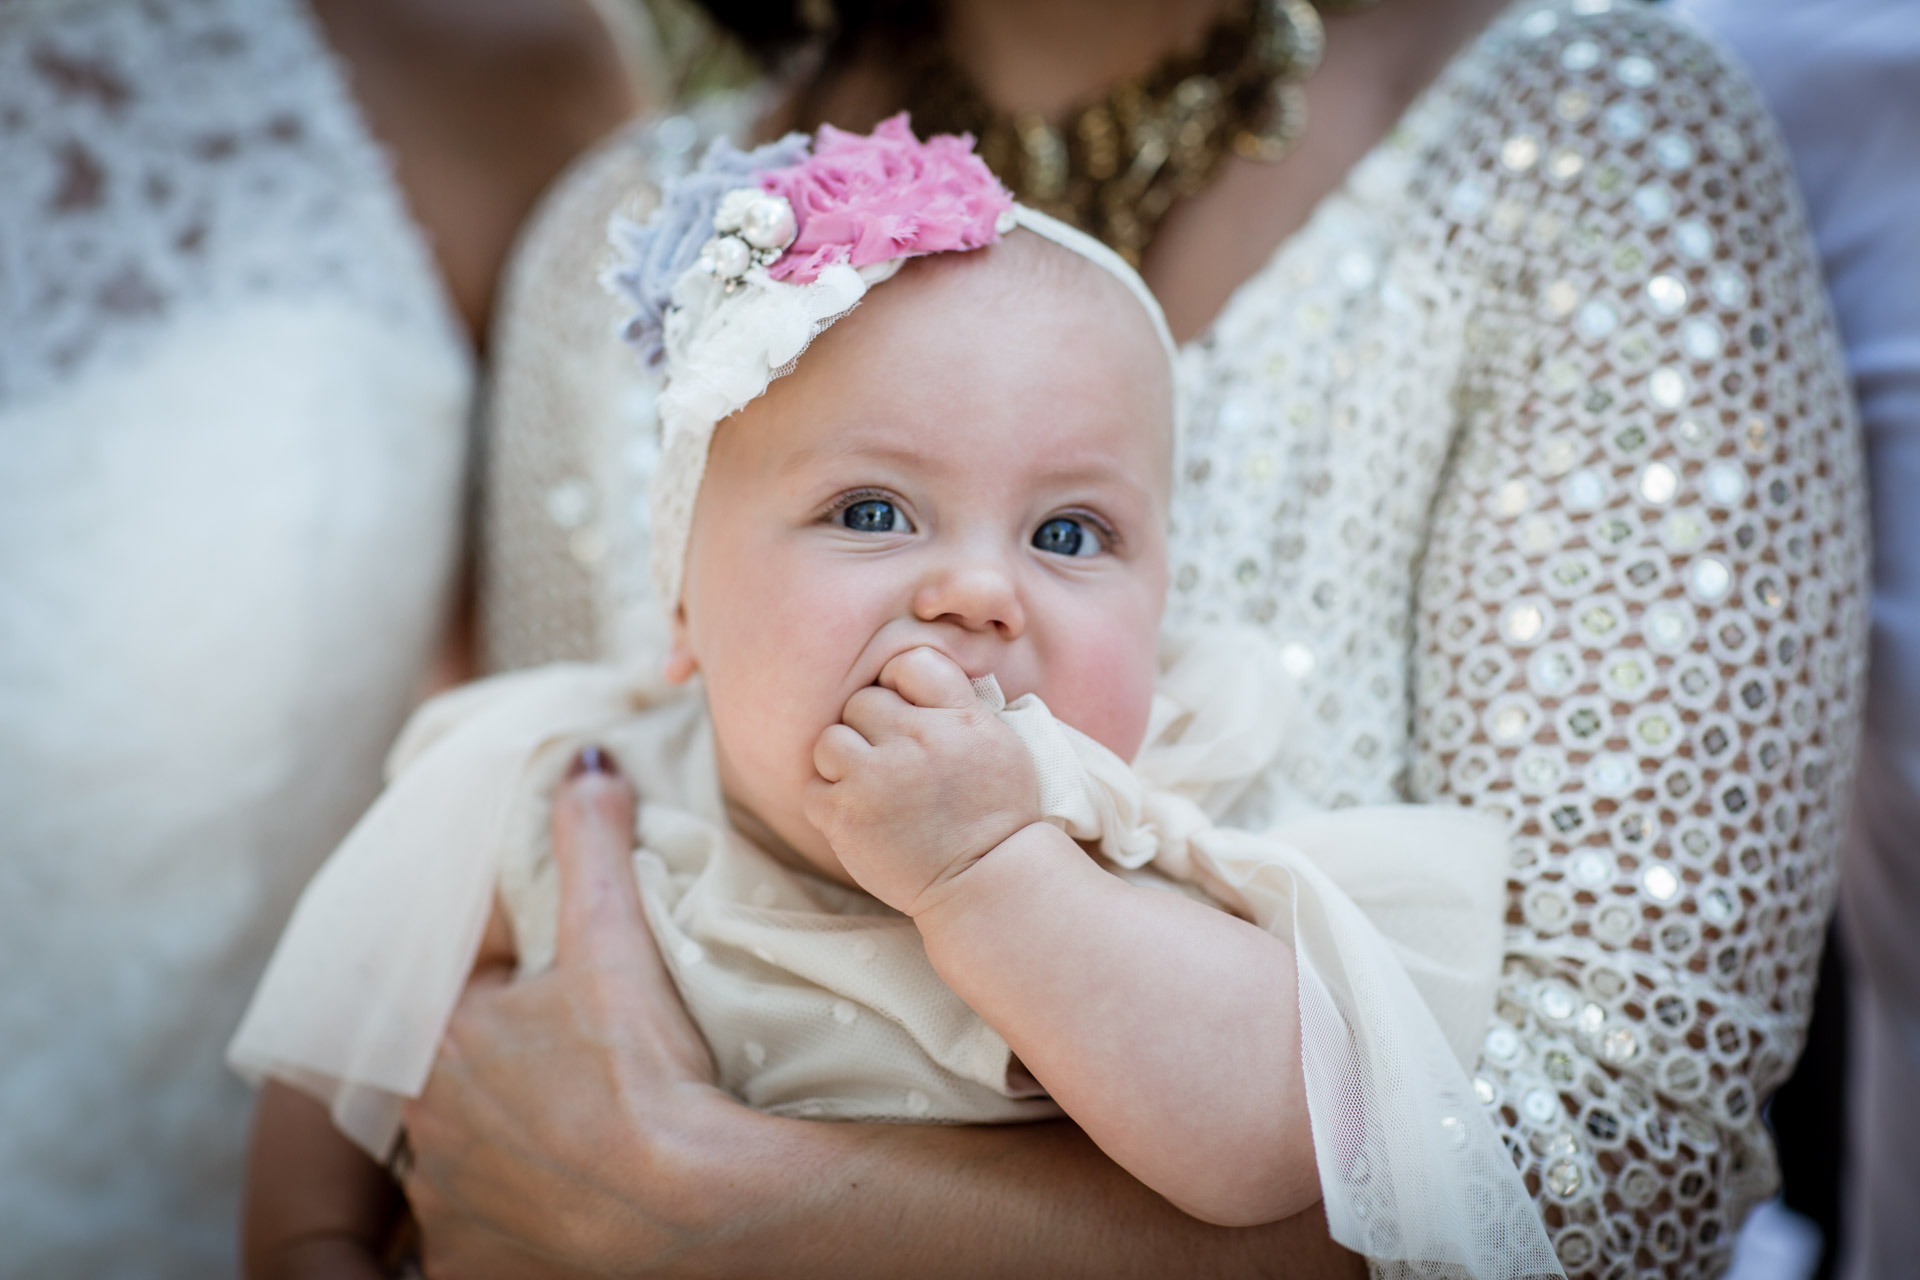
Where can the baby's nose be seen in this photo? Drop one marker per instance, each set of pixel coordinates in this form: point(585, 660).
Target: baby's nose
point(976, 596)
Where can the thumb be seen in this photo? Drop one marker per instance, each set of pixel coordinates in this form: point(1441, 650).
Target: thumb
point(601, 920)
point(928, 678)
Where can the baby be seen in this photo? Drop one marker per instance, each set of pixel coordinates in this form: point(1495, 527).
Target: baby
point(905, 546)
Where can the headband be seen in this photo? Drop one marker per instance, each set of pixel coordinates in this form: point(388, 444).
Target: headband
point(753, 254)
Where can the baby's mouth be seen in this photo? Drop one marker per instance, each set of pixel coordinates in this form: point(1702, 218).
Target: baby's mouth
point(976, 660)
point(890, 653)
point(975, 671)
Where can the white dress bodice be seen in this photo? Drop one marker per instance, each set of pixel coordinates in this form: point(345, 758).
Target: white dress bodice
point(233, 418)
point(1534, 452)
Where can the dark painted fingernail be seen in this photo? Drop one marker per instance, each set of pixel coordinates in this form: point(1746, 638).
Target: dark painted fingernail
point(593, 760)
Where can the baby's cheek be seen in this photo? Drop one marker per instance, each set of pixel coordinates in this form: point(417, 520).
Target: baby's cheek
point(771, 732)
point(783, 645)
point(1106, 692)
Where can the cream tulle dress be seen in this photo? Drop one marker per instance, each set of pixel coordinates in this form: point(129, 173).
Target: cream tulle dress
point(819, 1001)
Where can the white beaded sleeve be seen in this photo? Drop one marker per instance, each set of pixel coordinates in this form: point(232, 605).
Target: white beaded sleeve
point(1640, 627)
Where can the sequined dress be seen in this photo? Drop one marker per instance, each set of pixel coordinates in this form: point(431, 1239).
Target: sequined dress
point(232, 427)
point(1534, 452)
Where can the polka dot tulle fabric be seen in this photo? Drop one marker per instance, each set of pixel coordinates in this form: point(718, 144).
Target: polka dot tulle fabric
point(1533, 453)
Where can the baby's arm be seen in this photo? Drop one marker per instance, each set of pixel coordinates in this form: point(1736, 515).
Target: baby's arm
point(1168, 1030)
point(317, 1206)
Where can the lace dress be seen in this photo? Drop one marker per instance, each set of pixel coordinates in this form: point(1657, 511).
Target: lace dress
point(232, 427)
point(1533, 450)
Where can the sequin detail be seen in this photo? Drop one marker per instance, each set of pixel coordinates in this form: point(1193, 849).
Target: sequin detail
point(1543, 483)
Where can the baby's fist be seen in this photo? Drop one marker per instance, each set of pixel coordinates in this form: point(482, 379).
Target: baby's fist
point(918, 780)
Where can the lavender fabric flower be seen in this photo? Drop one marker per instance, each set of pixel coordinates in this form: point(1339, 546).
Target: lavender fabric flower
point(656, 253)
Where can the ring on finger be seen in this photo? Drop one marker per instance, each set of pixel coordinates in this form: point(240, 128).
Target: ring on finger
point(400, 1163)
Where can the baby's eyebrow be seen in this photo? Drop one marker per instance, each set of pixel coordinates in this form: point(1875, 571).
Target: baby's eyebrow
point(842, 448)
point(1092, 471)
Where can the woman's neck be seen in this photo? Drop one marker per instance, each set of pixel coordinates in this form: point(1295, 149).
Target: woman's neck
point(1023, 55)
point(1045, 55)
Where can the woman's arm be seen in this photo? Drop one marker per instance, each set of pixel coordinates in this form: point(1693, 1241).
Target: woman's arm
point(641, 1166)
point(481, 103)
point(316, 1205)
point(1642, 626)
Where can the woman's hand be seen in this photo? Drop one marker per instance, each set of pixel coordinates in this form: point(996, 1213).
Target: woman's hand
point(571, 1129)
point(554, 1098)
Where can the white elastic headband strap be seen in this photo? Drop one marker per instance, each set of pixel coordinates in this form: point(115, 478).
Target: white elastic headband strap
point(1069, 237)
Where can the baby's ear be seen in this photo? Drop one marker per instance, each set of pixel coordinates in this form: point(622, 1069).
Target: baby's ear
point(681, 664)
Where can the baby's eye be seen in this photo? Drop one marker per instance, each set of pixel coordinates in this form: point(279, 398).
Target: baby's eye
point(1068, 536)
point(873, 515)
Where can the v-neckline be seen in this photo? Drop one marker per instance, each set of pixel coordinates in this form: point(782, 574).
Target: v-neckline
point(1416, 123)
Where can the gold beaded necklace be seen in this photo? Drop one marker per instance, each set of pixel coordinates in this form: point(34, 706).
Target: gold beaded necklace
point(1115, 165)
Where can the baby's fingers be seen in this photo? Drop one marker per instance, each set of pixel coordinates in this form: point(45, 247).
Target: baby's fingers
point(837, 750)
point(928, 678)
point(876, 714)
point(817, 805)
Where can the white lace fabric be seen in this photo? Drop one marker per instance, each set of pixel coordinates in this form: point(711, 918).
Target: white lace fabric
point(725, 344)
point(1534, 454)
point(148, 176)
point(232, 430)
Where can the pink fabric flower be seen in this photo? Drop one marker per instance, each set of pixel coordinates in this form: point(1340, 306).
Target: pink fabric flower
point(864, 200)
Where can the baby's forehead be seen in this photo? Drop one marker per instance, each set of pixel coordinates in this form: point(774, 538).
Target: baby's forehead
point(1026, 266)
point(1085, 319)
point(983, 374)
point(1018, 361)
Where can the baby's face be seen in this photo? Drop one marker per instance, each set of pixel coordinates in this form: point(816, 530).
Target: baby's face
point(978, 460)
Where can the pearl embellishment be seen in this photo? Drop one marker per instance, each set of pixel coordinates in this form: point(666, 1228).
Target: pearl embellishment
point(752, 228)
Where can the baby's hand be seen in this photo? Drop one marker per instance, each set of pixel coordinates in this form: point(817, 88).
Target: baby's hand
point(918, 780)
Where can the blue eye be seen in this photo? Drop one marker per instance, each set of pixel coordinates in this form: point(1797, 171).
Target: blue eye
point(873, 515)
point(1066, 536)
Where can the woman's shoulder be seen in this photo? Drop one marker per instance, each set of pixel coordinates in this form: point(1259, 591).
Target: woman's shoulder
point(1608, 133)
point(563, 242)
point(1605, 66)
point(1580, 41)
point(565, 398)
